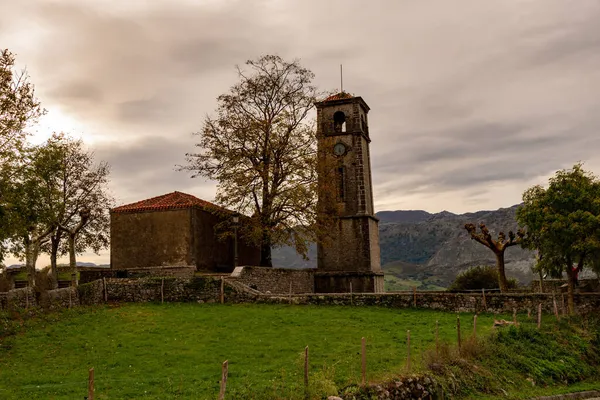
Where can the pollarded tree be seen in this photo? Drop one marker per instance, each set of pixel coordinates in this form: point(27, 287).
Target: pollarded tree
point(498, 246)
point(563, 223)
point(261, 149)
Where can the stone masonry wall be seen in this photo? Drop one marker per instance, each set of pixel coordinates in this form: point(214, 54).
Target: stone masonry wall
point(175, 271)
point(91, 293)
point(276, 280)
point(400, 388)
point(197, 289)
point(208, 289)
point(21, 298)
point(62, 298)
point(455, 302)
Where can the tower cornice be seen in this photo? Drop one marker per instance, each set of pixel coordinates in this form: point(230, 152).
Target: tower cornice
point(339, 101)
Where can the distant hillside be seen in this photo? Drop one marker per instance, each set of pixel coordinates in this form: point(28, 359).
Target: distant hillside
point(410, 216)
point(433, 248)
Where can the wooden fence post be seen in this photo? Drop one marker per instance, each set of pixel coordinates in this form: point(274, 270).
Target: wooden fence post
point(408, 350)
point(515, 316)
point(351, 295)
point(529, 313)
point(224, 372)
point(484, 300)
point(539, 321)
point(105, 291)
point(91, 384)
point(564, 309)
point(364, 361)
point(222, 290)
point(475, 326)
point(437, 339)
point(306, 392)
point(162, 290)
point(290, 295)
point(555, 307)
point(458, 332)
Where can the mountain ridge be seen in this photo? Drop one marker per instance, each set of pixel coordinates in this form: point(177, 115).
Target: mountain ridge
point(432, 248)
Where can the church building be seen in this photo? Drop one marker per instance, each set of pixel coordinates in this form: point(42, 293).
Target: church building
point(176, 229)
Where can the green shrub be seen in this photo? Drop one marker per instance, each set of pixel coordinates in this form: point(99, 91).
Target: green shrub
point(481, 277)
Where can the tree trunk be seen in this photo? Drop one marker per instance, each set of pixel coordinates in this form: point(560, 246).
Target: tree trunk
point(30, 259)
point(72, 259)
point(501, 273)
point(265, 250)
point(571, 289)
point(54, 242)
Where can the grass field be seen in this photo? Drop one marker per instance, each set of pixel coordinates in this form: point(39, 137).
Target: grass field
point(173, 351)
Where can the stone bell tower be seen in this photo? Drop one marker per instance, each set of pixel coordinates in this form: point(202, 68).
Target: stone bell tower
point(348, 245)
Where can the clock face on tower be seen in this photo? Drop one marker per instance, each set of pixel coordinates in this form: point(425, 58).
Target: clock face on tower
point(339, 149)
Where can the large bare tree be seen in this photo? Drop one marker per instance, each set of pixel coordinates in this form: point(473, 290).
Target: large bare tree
point(498, 246)
point(261, 149)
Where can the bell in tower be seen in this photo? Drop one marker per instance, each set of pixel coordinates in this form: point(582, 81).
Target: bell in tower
point(348, 245)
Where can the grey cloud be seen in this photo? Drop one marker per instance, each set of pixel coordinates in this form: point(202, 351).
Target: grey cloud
point(84, 91)
point(147, 167)
point(464, 96)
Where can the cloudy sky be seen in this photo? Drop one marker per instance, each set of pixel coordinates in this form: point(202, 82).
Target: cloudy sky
point(472, 101)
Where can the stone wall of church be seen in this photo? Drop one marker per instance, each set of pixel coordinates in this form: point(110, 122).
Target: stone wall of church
point(175, 238)
point(148, 239)
point(211, 251)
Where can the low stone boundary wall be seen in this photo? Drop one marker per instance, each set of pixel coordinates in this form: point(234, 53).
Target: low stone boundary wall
point(208, 289)
point(91, 293)
point(132, 273)
point(21, 298)
point(454, 302)
point(276, 280)
point(62, 298)
point(197, 289)
point(401, 388)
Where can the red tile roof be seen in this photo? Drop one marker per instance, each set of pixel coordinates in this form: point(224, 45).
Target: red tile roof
point(169, 201)
point(339, 96)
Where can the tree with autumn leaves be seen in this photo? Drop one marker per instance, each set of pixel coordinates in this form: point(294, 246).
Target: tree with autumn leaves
point(261, 149)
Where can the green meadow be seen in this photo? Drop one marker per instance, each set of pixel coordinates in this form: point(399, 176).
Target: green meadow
point(175, 351)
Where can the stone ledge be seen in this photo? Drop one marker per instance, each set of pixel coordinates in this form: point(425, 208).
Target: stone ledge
point(571, 396)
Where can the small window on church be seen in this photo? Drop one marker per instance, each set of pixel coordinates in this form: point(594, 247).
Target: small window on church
point(341, 183)
point(363, 123)
point(339, 122)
